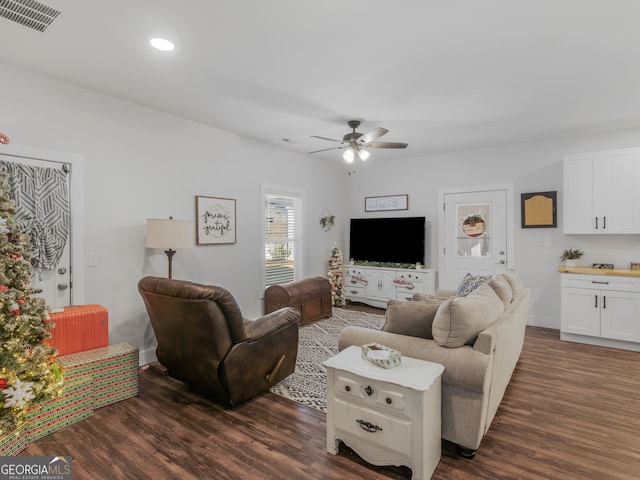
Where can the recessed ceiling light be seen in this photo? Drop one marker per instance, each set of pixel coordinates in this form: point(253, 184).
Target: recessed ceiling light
point(162, 44)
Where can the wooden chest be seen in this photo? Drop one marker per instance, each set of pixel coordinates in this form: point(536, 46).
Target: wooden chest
point(311, 297)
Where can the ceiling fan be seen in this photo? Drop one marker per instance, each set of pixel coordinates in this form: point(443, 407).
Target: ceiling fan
point(354, 143)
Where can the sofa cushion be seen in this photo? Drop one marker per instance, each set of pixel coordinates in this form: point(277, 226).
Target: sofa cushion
point(469, 283)
point(423, 297)
point(514, 280)
point(411, 318)
point(459, 321)
point(502, 288)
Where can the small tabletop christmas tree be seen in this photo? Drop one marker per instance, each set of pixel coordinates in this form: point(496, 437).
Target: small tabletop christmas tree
point(336, 277)
point(28, 373)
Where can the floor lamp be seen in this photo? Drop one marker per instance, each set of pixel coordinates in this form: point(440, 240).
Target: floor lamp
point(168, 233)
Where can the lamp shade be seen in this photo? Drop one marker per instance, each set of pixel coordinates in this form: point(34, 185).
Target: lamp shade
point(363, 154)
point(168, 233)
point(349, 155)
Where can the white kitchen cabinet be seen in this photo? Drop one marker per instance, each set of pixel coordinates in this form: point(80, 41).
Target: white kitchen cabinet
point(377, 285)
point(601, 309)
point(602, 192)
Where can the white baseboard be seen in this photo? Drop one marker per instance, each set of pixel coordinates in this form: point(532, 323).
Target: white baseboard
point(148, 356)
point(601, 342)
point(546, 322)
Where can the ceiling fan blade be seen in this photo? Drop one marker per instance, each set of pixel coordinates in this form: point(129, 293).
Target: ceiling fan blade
point(325, 138)
point(372, 135)
point(386, 145)
point(325, 149)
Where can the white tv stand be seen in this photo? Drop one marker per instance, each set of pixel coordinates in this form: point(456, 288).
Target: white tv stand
point(377, 285)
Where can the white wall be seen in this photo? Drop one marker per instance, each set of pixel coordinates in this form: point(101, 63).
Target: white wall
point(532, 167)
point(139, 164)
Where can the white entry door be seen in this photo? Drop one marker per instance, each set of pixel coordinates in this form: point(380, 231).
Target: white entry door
point(475, 233)
point(55, 283)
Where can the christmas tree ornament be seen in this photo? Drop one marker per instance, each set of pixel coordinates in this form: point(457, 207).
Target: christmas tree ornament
point(17, 395)
point(14, 307)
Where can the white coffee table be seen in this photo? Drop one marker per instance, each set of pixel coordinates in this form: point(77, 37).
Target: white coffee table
point(388, 417)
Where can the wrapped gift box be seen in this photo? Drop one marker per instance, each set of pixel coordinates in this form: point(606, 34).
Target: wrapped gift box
point(14, 442)
point(74, 404)
point(92, 379)
point(114, 370)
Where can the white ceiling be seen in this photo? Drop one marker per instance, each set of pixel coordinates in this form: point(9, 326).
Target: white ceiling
point(441, 75)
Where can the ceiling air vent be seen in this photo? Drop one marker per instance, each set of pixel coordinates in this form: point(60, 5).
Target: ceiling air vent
point(34, 15)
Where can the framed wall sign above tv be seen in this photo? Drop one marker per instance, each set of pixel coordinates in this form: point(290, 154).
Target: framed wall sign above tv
point(386, 203)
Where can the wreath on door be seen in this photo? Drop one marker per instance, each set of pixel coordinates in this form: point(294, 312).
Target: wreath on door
point(473, 225)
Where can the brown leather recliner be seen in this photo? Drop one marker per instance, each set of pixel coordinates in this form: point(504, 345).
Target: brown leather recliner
point(204, 341)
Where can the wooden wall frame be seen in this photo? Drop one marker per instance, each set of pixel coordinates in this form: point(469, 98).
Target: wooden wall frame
point(215, 220)
point(539, 210)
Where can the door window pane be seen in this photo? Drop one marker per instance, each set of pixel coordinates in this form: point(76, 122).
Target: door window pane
point(473, 237)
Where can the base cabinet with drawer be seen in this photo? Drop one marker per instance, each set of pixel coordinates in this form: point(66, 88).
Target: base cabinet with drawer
point(376, 285)
point(601, 309)
point(387, 416)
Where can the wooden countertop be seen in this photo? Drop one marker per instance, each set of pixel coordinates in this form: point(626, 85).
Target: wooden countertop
point(618, 272)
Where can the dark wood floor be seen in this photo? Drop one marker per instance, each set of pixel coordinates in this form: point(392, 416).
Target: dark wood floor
point(571, 411)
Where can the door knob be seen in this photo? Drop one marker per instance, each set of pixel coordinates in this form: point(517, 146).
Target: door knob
point(501, 262)
point(62, 286)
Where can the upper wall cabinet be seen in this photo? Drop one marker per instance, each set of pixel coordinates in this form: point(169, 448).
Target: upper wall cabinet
point(602, 192)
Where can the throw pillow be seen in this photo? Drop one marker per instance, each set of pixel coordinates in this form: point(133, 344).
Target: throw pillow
point(502, 288)
point(514, 280)
point(470, 283)
point(410, 318)
point(459, 321)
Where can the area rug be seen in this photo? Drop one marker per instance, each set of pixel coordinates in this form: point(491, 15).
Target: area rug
point(318, 341)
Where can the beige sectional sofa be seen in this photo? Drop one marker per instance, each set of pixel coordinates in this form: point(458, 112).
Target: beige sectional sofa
point(477, 337)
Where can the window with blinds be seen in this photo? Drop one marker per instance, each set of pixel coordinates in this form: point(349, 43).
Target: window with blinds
point(282, 241)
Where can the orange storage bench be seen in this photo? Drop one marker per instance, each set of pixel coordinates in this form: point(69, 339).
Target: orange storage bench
point(79, 328)
point(311, 297)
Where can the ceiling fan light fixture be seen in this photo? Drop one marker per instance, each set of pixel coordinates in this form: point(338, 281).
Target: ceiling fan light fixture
point(363, 154)
point(162, 44)
point(349, 155)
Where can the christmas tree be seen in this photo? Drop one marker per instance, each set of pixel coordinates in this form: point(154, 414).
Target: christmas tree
point(336, 277)
point(28, 373)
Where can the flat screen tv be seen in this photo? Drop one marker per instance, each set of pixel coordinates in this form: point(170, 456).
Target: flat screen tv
point(392, 240)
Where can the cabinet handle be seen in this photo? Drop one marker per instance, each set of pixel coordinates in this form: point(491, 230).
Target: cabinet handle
point(596, 297)
point(604, 221)
point(389, 401)
point(596, 223)
point(369, 390)
point(368, 426)
point(602, 283)
point(604, 301)
point(347, 388)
